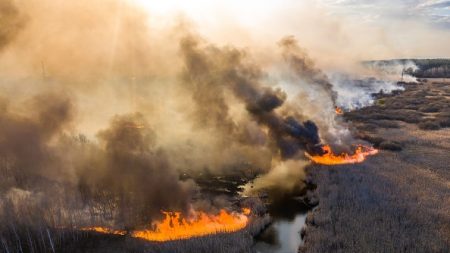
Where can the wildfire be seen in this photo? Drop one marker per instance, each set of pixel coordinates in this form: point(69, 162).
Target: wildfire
point(105, 230)
point(137, 126)
point(329, 158)
point(175, 227)
point(338, 110)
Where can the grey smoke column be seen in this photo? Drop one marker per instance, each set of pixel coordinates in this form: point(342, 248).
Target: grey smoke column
point(11, 22)
point(304, 68)
point(135, 174)
point(217, 69)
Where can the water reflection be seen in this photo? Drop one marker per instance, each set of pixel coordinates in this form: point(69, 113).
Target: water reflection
point(283, 235)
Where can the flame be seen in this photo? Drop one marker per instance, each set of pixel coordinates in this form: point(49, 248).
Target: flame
point(329, 158)
point(339, 110)
point(137, 126)
point(105, 230)
point(246, 211)
point(175, 227)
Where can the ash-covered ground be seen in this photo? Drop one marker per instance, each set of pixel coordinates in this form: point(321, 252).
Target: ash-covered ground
point(398, 200)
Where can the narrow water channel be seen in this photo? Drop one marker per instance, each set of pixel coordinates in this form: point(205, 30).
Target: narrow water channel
point(283, 235)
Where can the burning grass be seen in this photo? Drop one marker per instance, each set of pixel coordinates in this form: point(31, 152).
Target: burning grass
point(362, 205)
point(330, 158)
point(403, 193)
point(73, 241)
point(175, 227)
point(105, 230)
point(20, 236)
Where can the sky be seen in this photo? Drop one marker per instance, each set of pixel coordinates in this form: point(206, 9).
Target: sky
point(364, 29)
point(433, 12)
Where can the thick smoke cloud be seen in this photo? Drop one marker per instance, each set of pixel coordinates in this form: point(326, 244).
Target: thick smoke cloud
point(357, 93)
point(284, 178)
point(304, 67)
point(105, 111)
point(25, 138)
point(134, 173)
point(124, 180)
point(312, 95)
point(32, 166)
point(11, 22)
point(228, 68)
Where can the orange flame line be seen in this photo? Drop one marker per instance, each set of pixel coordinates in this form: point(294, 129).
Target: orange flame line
point(105, 230)
point(329, 158)
point(175, 227)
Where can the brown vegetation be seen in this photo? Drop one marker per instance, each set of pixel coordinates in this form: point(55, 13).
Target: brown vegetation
point(394, 202)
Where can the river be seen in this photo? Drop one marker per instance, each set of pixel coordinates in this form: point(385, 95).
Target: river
point(283, 235)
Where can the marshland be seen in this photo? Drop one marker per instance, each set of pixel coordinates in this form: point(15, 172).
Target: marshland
point(224, 126)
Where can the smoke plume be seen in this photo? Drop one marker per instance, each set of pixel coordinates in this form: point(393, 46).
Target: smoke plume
point(106, 106)
point(228, 68)
point(11, 22)
point(304, 67)
point(135, 174)
point(26, 136)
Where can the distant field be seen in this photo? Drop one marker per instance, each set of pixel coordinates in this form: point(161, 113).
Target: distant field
point(426, 68)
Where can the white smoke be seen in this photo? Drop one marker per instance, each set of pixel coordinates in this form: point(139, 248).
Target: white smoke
point(393, 69)
point(356, 93)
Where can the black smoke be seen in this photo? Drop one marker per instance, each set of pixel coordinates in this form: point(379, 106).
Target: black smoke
point(50, 177)
point(228, 69)
point(25, 137)
point(304, 67)
point(133, 174)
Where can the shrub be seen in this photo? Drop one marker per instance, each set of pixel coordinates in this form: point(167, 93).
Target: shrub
point(381, 101)
point(444, 122)
point(387, 124)
point(429, 125)
point(375, 140)
point(430, 108)
point(390, 145)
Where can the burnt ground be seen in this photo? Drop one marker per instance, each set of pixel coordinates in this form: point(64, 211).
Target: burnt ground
point(398, 200)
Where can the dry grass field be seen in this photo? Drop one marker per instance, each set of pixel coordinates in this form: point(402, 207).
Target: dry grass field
point(399, 200)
